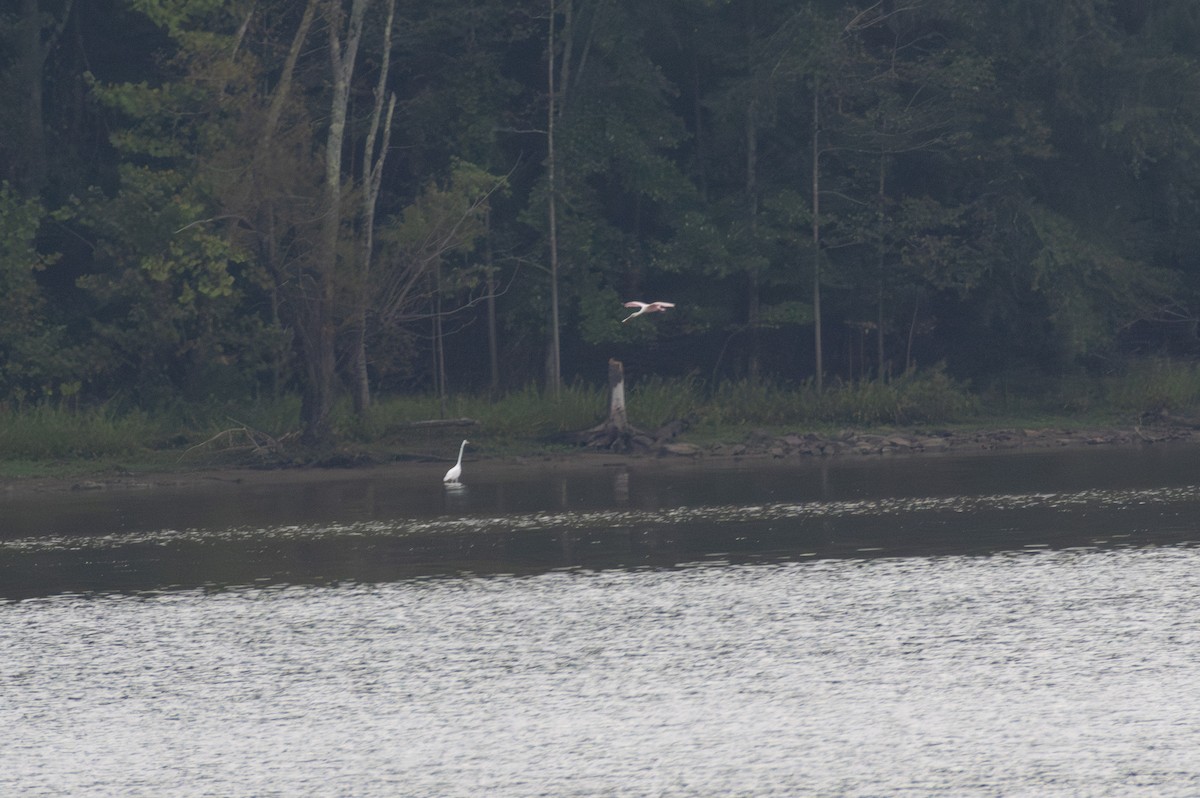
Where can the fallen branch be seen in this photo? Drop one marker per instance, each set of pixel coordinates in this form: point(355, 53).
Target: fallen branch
point(437, 422)
point(256, 441)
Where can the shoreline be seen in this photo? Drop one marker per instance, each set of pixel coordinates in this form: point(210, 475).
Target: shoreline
point(756, 446)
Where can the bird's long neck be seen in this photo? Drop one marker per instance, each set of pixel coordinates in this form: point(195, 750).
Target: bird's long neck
point(460, 452)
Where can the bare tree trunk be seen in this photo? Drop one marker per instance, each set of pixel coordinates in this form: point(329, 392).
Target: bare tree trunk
point(439, 342)
point(753, 300)
point(265, 209)
point(816, 236)
point(617, 415)
point(701, 132)
point(317, 403)
point(493, 356)
point(912, 332)
point(372, 180)
point(280, 95)
point(554, 378)
point(361, 388)
point(879, 366)
point(615, 433)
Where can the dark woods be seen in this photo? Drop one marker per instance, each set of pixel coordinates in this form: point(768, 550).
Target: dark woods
point(347, 197)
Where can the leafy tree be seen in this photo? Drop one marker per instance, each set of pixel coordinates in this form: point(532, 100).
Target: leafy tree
point(34, 361)
point(176, 287)
point(1058, 167)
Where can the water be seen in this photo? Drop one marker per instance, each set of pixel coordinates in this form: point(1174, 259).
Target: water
point(1008, 625)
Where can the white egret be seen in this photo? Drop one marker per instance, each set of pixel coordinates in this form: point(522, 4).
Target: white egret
point(454, 473)
point(646, 307)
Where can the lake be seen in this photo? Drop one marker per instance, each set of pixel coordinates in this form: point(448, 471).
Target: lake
point(1022, 623)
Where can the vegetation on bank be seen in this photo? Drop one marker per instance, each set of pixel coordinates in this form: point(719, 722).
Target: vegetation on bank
point(244, 199)
point(54, 439)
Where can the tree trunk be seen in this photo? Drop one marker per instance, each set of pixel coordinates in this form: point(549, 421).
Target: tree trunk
point(554, 377)
point(753, 300)
point(493, 355)
point(882, 221)
point(617, 415)
point(439, 342)
point(816, 236)
point(268, 237)
point(279, 96)
point(34, 42)
point(317, 403)
point(615, 434)
point(372, 179)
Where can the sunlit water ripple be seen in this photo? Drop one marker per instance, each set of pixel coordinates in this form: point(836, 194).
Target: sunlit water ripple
point(673, 516)
point(1042, 673)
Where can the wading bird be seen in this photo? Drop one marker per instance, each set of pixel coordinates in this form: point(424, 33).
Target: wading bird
point(454, 473)
point(646, 307)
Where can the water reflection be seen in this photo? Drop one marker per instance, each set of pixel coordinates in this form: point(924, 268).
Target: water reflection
point(457, 497)
point(621, 487)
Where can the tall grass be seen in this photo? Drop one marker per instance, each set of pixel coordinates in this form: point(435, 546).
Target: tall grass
point(527, 413)
point(47, 432)
point(656, 401)
point(535, 413)
point(929, 397)
point(1156, 386)
point(272, 416)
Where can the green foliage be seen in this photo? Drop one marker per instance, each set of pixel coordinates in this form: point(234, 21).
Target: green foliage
point(1009, 187)
point(600, 321)
point(33, 361)
point(1092, 290)
point(447, 218)
point(168, 310)
point(781, 313)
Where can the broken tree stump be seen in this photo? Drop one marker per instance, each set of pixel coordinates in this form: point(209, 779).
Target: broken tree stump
point(615, 434)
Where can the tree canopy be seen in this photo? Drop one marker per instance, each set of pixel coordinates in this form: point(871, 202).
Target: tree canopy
point(240, 197)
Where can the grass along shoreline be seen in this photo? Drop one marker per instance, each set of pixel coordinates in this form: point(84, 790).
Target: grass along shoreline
point(926, 411)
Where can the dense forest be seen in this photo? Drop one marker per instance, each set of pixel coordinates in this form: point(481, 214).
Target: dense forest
point(356, 198)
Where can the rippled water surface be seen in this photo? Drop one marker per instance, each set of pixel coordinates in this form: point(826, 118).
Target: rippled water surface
point(1015, 625)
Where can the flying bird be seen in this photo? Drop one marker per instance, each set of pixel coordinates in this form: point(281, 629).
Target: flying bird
point(646, 307)
point(454, 473)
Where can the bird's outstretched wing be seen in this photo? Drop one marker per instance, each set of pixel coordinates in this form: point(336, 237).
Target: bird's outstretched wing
point(646, 307)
